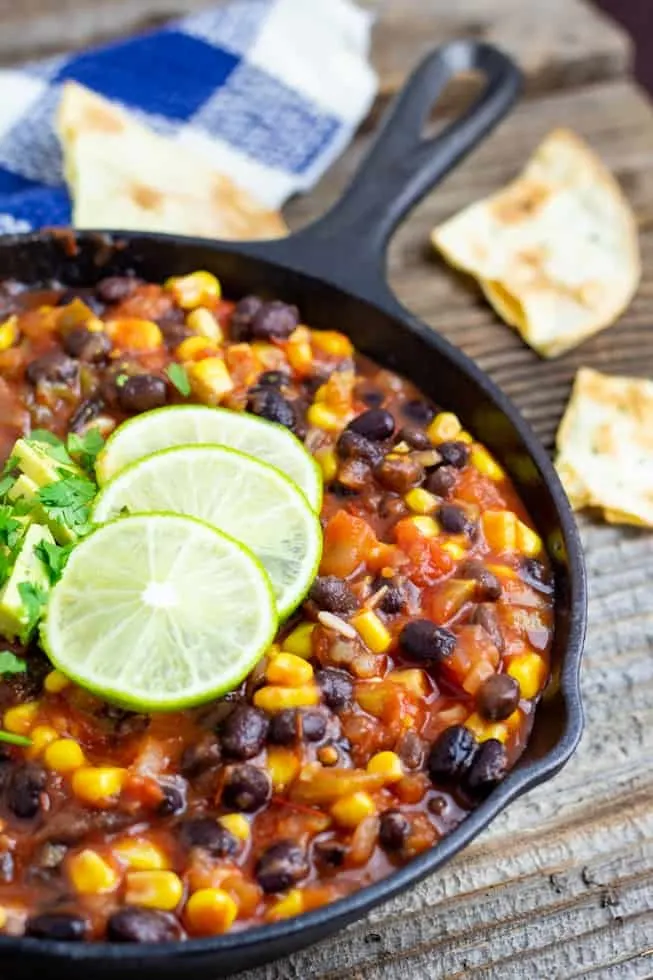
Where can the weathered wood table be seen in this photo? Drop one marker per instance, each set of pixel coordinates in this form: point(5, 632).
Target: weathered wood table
point(561, 886)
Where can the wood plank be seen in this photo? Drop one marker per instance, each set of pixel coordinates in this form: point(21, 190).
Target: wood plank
point(558, 42)
point(560, 885)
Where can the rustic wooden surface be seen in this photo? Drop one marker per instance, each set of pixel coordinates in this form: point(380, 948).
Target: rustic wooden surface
point(561, 886)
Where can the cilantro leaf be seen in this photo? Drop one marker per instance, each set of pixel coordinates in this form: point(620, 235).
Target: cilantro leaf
point(11, 530)
point(33, 599)
point(179, 378)
point(12, 739)
point(10, 465)
point(11, 664)
point(6, 483)
point(54, 557)
point(121, 379)
point(85, 448)
point(68, 502)
point(53, 445)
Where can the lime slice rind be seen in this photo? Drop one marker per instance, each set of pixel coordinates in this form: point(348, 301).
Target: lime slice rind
point(244, 497)
point(178, 425)
point(159, 612)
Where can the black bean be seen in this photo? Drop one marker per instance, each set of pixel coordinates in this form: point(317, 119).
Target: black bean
point(336, 686)
point(246, 788)
point(400, 473)
point(273, 379)
point(375, 424)
point(114, 289)
point(414, 436)
point(451, 755)
point(393, 830)
point(411, 749)
point(61, 926)
point(173, 327)
point(535, 574)
point(25, 789)
point(312, 725)
point(209, 835)
point(423, 640)
point(441, 481)
point(86, 345)
point(354, 473)
point(341, 491)
point(438, 805)
point(274, 320)
point(282, 865)
point(199, 758)
point(488, 586)
point(330, 853)
point(52, 368)
point(142, 393)
point(394, 598)
point(173, 802)
point(417, 410)
point(333, 595)
point(352, 445)
point(85, 412)
point(485, 615)
point(136, 925)
point(284, 727)
point(244, 732)
point(242, 317)
point(269, 404)
point(497, 697)
point(488, 768)
point(454, 454)
point(454, 520)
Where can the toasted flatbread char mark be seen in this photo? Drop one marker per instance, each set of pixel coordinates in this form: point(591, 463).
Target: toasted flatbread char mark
point(556, 252)
point(605, 447)
point(123, 175)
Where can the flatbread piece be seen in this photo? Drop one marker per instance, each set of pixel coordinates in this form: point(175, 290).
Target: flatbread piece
point(556, 252)
point(122, 175)
point(605, 447)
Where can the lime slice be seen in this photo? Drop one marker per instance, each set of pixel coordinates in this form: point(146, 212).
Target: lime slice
point(249, 500)
point(158, 612)
point(192, 424)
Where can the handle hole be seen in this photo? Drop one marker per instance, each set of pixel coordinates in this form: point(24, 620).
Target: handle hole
point(458, 95)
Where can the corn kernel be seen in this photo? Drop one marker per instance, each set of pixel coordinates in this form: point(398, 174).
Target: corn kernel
point(514, 720)
point(444, 427)
point(322, 417)
point(372, 631)
point(64, 755)
point(290, 905)
point(19, 720)
point(9, 333)
point(201, 321)
point(195, 289)
point(300, 640)
point(413, 680)
point(140, 855)
point(154, 889)
point(133, 334)
point(464, 437)
point(321, 393)
point(289, 669)
point(333, 343)
point(3, 918)
point(283, 765)
point(210, 380)
point(41, 736)
point(90, 874)
point(273, 698)
point(98, 786)
point(328, 755)
point(454, 548)
point(485, 730)
point(210, 912)
point(237, 825)
point(529, 670)
point(55, 682)
point(427, 526)
point(486, 464)
point(528, 542)
point(388, 765)
point(328, 462)
point(500, 529)
point(350, 810)
point(195, 349)
point(299, 351)
point(421, 501)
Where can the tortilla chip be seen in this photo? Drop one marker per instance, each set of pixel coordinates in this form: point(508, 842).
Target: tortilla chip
point(124, 176)
point(605, 447)
point(556, 252)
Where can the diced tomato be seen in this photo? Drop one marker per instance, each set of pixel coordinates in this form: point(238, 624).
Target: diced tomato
point(442, 602)
point(348, 542)
point(473, 646)
point(429, 561)
point(477, 489)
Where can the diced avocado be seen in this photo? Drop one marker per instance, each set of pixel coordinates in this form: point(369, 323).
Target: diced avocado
point(16, 619)
point(36, 461)
point(26, 489)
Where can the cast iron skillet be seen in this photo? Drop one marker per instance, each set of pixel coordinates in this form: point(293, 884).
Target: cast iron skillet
point(334, 272)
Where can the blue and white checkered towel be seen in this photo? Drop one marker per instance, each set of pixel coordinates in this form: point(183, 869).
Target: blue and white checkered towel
point(271, 91)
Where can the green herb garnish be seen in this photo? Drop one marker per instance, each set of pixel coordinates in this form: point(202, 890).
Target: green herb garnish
point(54, 557)
point(121, 379)
point(11, 530)
point(34, 600)
point(179, 378)
point(55, 447)
point(85, 449)
point(11, 664)
point(12, 739)
point(68, 502)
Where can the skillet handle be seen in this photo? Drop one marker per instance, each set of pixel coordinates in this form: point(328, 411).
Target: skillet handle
point(347, 245)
